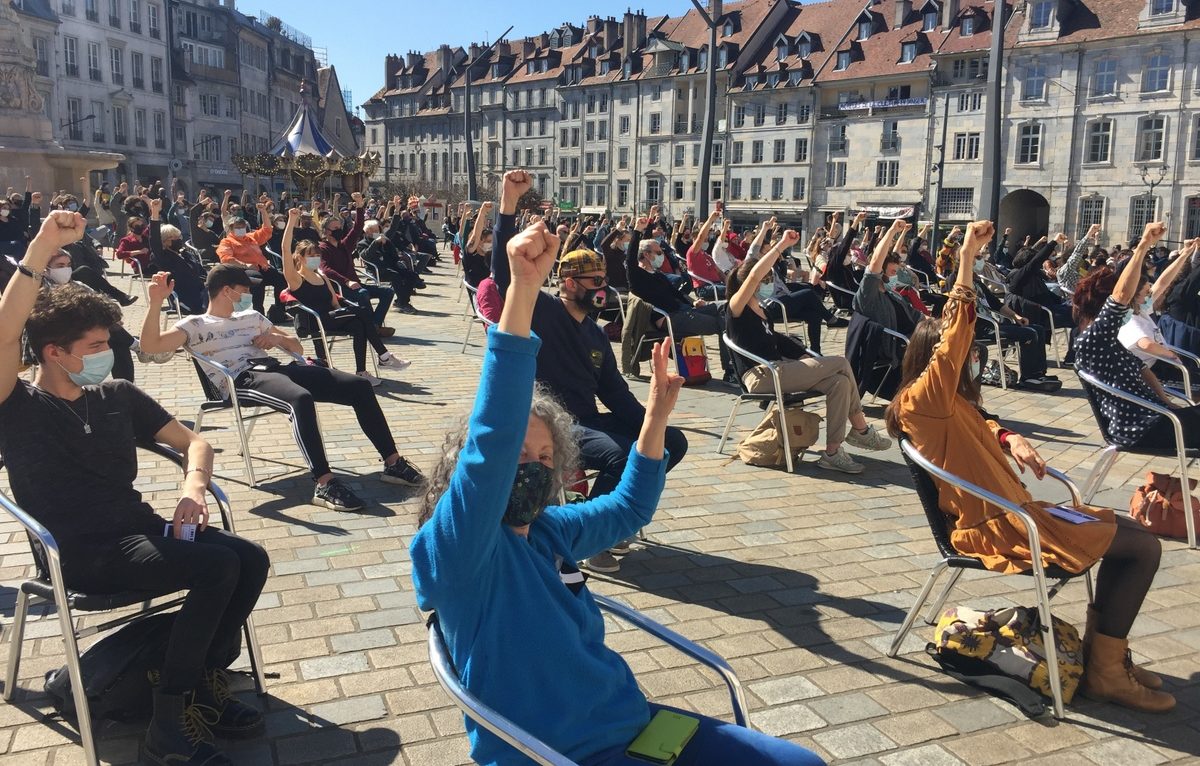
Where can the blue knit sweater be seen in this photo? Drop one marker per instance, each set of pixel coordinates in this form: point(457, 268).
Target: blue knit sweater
point(522, 641)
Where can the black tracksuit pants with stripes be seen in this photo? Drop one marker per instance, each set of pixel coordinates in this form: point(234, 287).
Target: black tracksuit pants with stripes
point(295, 388)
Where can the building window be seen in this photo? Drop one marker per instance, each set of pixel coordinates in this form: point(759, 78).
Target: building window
point(622, 194)
point(957, 202)
point(760, 115)
point(835, 174)
point(119, 131)
point(781, 114)
point(1033, 84)
point(801, 154)
point(1157, 75)
point(1091, 212)
point(156, 74)
point(803, 113)
point(623, 125)
point(653, 189)
point(1104, 78)
point(654, 150)
point(780, 151)
point(1142, 210)
point(1152, 134)
point(1192, 218)
point(1040, 16)
point(797, 188)
point(70, 56)
point(137, 70)
point(738, 157)
point(680, 155)
point(967, 26)
point(153, 21)
point(864, 29)
point(655, 123)
point(755, 188)
point(756, 152)
point(887, 173)
point(623, 158)
point(1196, 138)
point(695, 155)
point(718, 154)
point(970, 102)
point(160, 130)
point(776, 188)
point(843, 61)
point(139, 127)
point(929, 20)
point(1159, 7)
point(1099, 141)
point(114, 13)
point(735, 188)
point(908, 53)
point(1029, 146)
point(966, 146)
point(74, 118)
point(739, 116)
point(93, 54)
point(677, 190)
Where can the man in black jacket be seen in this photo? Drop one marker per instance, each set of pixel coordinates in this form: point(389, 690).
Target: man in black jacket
point(643, 257)
point(1026, 281)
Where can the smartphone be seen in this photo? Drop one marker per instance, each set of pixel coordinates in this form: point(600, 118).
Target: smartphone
point(664, 737)
point(187, 532)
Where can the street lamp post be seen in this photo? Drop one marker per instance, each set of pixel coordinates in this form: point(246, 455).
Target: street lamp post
point(993, 162)
point(940, 170)
point(472, 190)
point(710, 105)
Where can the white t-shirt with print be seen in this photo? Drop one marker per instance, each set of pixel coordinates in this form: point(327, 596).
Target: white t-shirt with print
point(227, 341)
point(1137, 327)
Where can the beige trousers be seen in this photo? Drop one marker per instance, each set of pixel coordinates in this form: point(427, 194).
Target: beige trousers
point(831, 376)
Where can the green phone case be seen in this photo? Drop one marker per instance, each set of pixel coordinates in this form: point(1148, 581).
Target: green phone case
point(664, 737)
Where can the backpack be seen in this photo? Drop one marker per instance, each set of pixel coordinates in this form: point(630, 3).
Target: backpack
point(116, 672)
point(1158, 505)
point(693, 361)
point(1010, 641)
point(764, 445)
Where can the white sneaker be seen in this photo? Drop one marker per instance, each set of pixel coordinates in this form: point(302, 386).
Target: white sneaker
point(374, 381)
point(871, 440)
point(839, 461)
point(393, 362)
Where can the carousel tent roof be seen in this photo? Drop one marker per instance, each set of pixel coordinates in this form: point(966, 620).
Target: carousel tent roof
point(304, 136)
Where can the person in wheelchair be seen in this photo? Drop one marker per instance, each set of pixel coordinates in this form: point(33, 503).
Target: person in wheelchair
point(751, 329)
point(69, 442)
point(937, 407)
point(495, 555)
point(306, 283)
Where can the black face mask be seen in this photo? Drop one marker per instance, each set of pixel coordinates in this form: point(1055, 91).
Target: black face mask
point(530, 494)
point(592, 300)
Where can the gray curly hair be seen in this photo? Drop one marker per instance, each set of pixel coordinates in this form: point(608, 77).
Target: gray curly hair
point(547, 409)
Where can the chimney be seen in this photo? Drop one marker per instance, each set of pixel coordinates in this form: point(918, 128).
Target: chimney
point(903, 11)
point(633, 34)
point(391, 65)
point(444, 58)
point(543, 40)
point(593, 25)
point(473, 51)
point(528, 46)
point(949, 13)
point(612, 30)
point(503, 48)
point(412, 59)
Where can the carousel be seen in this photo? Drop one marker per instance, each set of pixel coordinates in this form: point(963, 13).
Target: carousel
point(303, 154)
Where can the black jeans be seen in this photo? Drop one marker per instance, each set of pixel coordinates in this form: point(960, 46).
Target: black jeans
point(1161, 435)
point(121, 343)
point(223, 575)
point(86, 275)
point(604, 444)
point(269, 277)
point(295, 388)
point(803, 304)
point(1032, 338)
point(360, 333)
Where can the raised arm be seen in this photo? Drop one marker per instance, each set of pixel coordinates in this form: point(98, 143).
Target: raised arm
point(153, 340)
point(1162, 286)
point(356, 230)
point(290, 272)
point(1132, 273)
point(739, 300)
point(883, 247)
point(59, 229)
point(702, 236)
point(156, 227)
point(485, 210)
point(760, 236)
point(513, 186)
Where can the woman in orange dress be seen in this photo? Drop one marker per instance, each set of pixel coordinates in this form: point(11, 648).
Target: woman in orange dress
point(938, 409)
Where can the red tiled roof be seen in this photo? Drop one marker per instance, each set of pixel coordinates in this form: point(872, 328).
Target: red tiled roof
point(879, 54)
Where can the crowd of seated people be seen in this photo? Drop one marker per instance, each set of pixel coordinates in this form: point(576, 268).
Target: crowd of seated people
point(548, 355)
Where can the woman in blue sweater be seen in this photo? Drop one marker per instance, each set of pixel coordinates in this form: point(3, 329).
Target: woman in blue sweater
point(497, 561)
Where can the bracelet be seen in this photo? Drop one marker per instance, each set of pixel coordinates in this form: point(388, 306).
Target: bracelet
point(204, 471)
point(1003, 437)
point(35, 275)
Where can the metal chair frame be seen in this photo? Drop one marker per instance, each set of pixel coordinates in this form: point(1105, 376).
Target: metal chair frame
point(987, 316)
point(530, 746)
point(958, 562)
point(654, 337)
point(326, 340)
point(779, 397)
point(33, 592)
point(472, 292)
point(1112, 451)
point(1187, 392)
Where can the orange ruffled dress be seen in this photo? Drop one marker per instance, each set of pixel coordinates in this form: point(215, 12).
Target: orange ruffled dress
point(950, 432)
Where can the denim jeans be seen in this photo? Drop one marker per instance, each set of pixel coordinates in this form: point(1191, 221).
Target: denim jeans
point(364, 295)
point(604, 444)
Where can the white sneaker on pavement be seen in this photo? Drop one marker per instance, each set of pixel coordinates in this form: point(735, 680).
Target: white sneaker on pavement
point(392, 362)
point(870, 440)
point(374, 381)
point(839, 461)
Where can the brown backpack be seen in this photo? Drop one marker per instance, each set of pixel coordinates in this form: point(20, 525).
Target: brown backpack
point(1158, 505)
point(764, 445)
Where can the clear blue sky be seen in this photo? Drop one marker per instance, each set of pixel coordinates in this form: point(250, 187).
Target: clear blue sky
point(358, 35)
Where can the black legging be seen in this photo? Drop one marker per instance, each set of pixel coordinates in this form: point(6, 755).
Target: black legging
point(295, 387)
point(121, 343)
point(1125, 575)
point(86, 275)
point(258, 292)
point(222, 574)
point(1161, 435)
point(803, 304)
point(360, 333)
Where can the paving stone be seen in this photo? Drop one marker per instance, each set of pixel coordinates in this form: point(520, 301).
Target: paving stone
point(847, 708)
point(926, 755)
point(853, 741)
point(323, 667)
point(974, 715)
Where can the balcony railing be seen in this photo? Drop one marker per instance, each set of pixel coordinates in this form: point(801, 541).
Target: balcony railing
point(138, 82)
point(114, 21)
point(140, 141)
point(160, 144)
point(92, 14)
point(95, 75)
point(75, 133)
point(72, 70)
point(135, 27)
point(121, 138)
point(839, 145)
point(155, 33)
point(117, 78)
point(68, 7)
point(156, 86)
point(681, 125)
point(889, 144)
point(97, 138)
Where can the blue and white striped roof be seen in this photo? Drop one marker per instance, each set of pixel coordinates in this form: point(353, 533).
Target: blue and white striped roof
point(303, 136)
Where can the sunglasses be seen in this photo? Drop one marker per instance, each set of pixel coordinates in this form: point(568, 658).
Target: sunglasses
point(593, 281)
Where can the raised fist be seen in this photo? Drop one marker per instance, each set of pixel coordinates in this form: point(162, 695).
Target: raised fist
point(790, 238)
point(1154, 232)
point(61, 228)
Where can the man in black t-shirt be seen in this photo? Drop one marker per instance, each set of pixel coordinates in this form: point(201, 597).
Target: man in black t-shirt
point(69, 442)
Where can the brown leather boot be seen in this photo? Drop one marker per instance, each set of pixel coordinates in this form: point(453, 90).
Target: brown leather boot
point(1108, 676)
point(1145, 677)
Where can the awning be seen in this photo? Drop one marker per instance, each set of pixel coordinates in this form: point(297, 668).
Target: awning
point(890, 211)
point(594, 210)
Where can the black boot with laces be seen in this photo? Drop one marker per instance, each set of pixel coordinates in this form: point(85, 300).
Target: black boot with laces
point(234, 719)
point(179, 733)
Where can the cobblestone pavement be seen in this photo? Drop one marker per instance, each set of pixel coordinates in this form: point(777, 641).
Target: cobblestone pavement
point(799, 580)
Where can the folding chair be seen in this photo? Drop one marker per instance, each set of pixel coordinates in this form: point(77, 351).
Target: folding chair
point(987, 316)
point(781, 398)
point(472, 293)
point(172, 307)
point(305, 319)
point(273, 258)
point(47, 587)
point(529, 745)
point(135, 275)
point(924, 472)
point(654, 336)
point(1112, 450)
point(215, 400)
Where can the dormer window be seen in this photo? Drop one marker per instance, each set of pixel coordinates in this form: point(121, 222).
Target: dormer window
point(1160, 7)
point(727, 30)
point(781, 50)
point(843, 61)
point(929, 20)
point(594, 51)
point(773, 80)
point(685, 61)
point(795, 77)
point(605, 66)
point(864, 28)
point(908, 52)
point(804, 48)
point(627, 70)
point(702, 59)
point(967, 26)
point(722, 56)
point(1040, 16)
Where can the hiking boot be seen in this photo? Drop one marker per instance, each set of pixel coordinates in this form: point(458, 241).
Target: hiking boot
point(868, 440)
point(402, 472)
point(603, 562)
point(336, 496)
point(1145, 677)
point(1108, 677)
point(234, 718)
point(839, 461)
point(179, 733)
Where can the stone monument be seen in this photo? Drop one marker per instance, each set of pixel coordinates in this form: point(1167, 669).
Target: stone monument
point(27, 145)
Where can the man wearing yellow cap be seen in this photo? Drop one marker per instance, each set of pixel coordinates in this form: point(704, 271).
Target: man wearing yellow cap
point(576, 360)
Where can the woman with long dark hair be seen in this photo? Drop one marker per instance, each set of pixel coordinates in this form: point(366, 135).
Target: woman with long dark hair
point(938, 409)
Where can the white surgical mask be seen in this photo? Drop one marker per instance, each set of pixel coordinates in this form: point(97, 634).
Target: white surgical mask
point(656, 260)
point(765, 290)
point(238, 232)
point(243, 302)
point(3, 213)
point(975, 369)
point(979, 265)
point(313, 262)
point(280, 225)
point(59, 276)
point(1147, 307)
